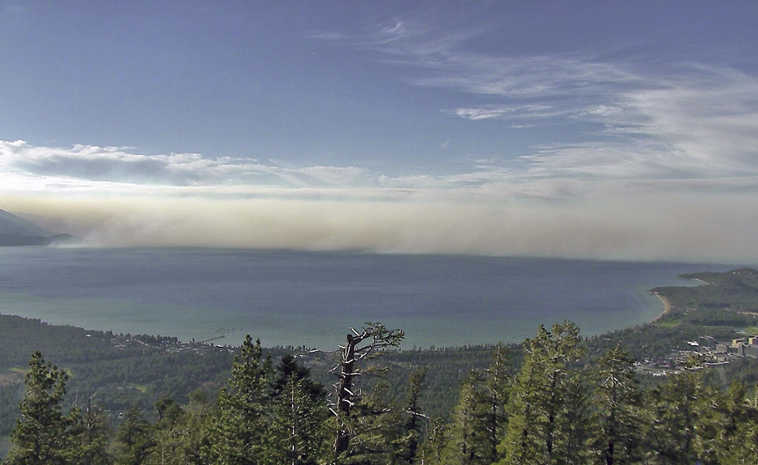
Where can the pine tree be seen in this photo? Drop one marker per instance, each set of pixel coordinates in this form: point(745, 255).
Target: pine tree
point(134, 439)
point(297, 425)
point(406, 444)
point(617, 400)
point(373, 427)
point(41, 436)
point(521, 441)
point(89, 437)
point(287, 370)
point(197, 428)
point(360, 346)
point(537, 426)
point(240, 435)
point(575, 423)
point(738, 439)
point(677, 409)
point(460, 448)
point(479, 419)
point(432, 451)
point(491, 396)
point(171, 435)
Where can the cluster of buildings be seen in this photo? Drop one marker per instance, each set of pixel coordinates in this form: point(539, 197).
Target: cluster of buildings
point(746, 346)
point(142, 343)
point(706, 352)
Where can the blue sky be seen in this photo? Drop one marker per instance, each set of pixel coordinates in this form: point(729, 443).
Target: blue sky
point(558, 105)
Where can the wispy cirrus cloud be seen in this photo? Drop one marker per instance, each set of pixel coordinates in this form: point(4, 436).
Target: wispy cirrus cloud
point(639, 122)
point(521, 112)
point(92, 163)
point(327, 35)
point(86, 168)
point(653, 152)
point(636, 159)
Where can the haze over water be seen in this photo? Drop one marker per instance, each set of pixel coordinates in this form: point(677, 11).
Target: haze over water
point(294, 298)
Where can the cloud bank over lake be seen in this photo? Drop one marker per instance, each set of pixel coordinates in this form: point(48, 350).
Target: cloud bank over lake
point(679, 228)
point(550, 130)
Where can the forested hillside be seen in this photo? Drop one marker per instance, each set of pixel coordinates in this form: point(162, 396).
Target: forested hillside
point(556, 407)
point(122, 371)
point(661, 393)
point(736, 291)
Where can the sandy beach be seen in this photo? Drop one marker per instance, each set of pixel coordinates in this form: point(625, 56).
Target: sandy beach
point(666, 305)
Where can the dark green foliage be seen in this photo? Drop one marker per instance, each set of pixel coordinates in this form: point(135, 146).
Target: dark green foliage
point(297, 429)
point(288, 370)
point(120, 375)
point(89, 437)
point(490, 420)
point(432, 451)
point(460, 448)
point(239, 434)
point(383, 430)
point(542, 423)
point(64, 341)
point(134, 439)
point(676, 412)
point(181, 435)
point(653, 341)
point(41, 436)
point(575, 424)
point(618, 401)
point(564, 405)
point(737, 426)
point(371, 426)
point(479, 419)
point(406, 445)
point(119, 371)
point(735, 290)
point(10, 396)
point(350, 407)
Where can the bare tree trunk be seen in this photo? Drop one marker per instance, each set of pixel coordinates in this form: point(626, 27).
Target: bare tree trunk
point(293, 419)
point(376, 338)
point(345, 393)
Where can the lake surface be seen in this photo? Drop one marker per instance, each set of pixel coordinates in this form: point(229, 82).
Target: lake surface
point(287, 297)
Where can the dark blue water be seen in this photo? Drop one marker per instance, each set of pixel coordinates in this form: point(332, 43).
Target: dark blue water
point(287, 297)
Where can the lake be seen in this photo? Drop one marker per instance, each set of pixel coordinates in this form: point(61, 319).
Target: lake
point(312, 298)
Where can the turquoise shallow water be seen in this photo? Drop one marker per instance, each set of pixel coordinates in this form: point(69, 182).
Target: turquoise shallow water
point(286, 297)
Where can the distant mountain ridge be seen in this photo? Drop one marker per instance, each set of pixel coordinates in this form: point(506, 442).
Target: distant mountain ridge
point(16, 231)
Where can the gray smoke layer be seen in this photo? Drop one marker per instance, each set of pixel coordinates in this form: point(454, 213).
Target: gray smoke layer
point(717, 228)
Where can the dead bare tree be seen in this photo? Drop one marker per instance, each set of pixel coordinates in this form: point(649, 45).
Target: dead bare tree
point(371, 340)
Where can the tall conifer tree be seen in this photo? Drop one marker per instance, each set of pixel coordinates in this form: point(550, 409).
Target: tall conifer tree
point(460, 448)
point(537, 429)
point(41, 436)
point(240, 435)
point(297, 425)
point(134, 439)
point(491, 396)
point(617, 400)
point(411, 422)
point(89, 437)
point(676, 408)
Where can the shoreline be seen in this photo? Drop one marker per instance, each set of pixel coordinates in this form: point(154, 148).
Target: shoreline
point(667, 303)
point(666, 306)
